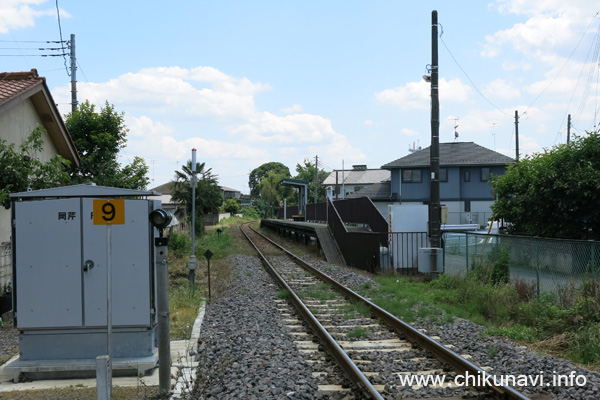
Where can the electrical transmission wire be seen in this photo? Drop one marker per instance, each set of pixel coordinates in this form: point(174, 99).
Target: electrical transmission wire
point(468, 77)
point(61, 39)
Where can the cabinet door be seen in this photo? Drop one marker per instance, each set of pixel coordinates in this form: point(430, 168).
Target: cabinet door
point(48, 263)
point(128, 246)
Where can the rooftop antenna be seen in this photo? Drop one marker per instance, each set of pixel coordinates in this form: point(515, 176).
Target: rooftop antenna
point(494, 133)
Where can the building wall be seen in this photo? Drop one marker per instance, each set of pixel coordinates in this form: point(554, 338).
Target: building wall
point(16, 123)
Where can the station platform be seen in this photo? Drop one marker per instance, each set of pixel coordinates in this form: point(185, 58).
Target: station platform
point(306, 230)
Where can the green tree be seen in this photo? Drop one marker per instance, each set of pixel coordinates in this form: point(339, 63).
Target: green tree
point(21, 170)
point(306, 172)
point(98, 137)
point(259, 173)
point(209, 196)
point(555, 193)
point(231, 206)
point(272, 192)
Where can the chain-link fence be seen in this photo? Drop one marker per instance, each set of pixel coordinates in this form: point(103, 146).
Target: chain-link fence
point(548, 264)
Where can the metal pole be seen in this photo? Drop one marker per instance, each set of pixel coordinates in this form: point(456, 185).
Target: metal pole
point(192, 262)
point(164, 345)
point(434, 204)
point(569, 128)
point(517, 135)
point(108, 309)
point(73, 75)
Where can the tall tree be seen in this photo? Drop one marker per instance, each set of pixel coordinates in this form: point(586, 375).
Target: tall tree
point(21, 170)
point(272, 192)
point(306, 172)
point(98, 137)
point(258, 173)
point(209, 196)
point(555, 193)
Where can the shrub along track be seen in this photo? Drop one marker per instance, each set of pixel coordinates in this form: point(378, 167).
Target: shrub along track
point(374, 349)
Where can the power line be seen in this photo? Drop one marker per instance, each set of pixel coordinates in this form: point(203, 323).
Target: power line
point(469, 78)
point(61, 39)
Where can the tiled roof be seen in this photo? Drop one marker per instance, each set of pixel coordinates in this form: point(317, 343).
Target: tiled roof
point(12, 84)
point(453, 154)
point(362, 177)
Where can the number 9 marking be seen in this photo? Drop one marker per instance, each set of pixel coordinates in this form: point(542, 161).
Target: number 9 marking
point(108, 212)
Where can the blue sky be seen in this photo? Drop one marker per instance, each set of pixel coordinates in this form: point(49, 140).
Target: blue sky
point(248, 82)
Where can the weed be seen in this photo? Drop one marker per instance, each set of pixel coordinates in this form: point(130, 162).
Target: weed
point(585, 344)
point(492, 351)
point(283, 294)
point(359, 332)
point(525, 291)
point(321, 292)
point(516, 332)
point(501, 268)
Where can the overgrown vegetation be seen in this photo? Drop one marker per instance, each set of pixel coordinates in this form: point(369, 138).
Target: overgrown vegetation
point(183, 301)
point(568, 319)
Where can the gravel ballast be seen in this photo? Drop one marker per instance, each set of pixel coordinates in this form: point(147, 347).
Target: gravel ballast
point(246, 350)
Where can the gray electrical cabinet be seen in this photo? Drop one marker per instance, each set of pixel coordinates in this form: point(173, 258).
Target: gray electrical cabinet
point(66, 243)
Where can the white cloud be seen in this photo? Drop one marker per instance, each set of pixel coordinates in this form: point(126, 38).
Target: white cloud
point(501, 89)
point(296, 108)
point(539, 32)
point(416, 95)
point(16, 14)
point(368, 122)
point(409, 132)
point(158, 100)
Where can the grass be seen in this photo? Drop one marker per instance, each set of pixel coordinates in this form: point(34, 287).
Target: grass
point(183, 302)
point(359, 332)
point(566, 324)
point(321, 291)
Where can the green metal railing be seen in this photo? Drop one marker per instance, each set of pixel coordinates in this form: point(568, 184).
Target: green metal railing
point(550, 264)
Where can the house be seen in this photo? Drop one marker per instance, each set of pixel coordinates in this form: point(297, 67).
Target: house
point(229, 193)
point(169, 205)
point(465, 171)
point(359, 178)
point(25, 102)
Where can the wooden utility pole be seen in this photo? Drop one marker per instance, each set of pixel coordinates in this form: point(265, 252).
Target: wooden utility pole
point(435, 236)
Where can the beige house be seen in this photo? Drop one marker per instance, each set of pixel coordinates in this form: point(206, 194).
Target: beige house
point(25, 102)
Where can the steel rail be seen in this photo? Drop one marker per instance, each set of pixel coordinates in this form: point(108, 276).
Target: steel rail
point(441, 352)
point(334, 348)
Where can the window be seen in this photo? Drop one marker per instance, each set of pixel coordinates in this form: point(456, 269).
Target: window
point(467, 176)
point(467, 205)
point(485, 174)
point(411, 175)
point(443, 174)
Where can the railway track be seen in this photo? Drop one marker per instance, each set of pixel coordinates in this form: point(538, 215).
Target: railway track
point(376, 352)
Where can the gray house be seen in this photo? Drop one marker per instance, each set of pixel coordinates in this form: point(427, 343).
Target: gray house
point(465, 171)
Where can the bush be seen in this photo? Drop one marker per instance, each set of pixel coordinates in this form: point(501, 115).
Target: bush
point(179, 244)
point(501, 268)
point(250, 212)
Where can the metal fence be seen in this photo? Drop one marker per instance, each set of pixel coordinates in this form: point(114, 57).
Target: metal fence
point(401, 254)
point(549, 264)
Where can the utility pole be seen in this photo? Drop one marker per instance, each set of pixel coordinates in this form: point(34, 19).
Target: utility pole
point(517, 134)
point(192, 261)
point(316, 174)
point(569, 128)
point(73, 74)
point(435, 236)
